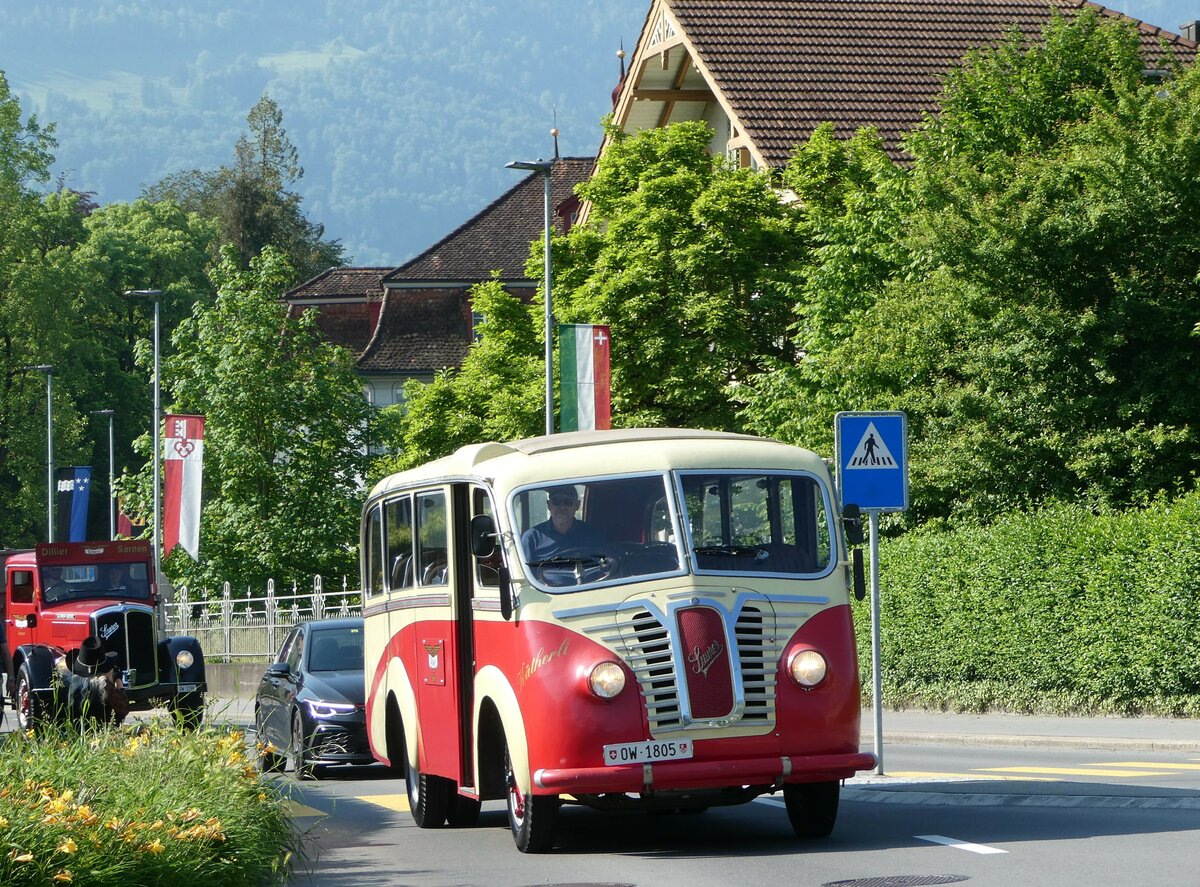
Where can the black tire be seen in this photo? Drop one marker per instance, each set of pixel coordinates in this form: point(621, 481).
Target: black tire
point(30, 715)
point(532, 818)
point(462, 812)
point(428, 797)
point(298, 752)
point(268, 761)
point(812, 807)
point(188, 709)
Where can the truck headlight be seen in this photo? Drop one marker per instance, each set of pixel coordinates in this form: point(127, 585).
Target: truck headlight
point(807, 668)
point(184, 659)
point(606, 680)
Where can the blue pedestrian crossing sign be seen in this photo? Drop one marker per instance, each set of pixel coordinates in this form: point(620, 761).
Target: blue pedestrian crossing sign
point(872, 460)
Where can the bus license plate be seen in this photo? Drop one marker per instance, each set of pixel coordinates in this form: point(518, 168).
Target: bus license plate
point(645, 752)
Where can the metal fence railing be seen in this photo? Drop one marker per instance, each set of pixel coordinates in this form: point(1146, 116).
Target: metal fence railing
point(232, 627)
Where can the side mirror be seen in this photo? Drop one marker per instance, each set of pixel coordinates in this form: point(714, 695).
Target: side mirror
point(860, 581)
point(278, 670)
point(483, 535)
point(852, 521)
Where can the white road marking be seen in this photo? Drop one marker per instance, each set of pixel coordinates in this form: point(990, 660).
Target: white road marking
point(959, 845)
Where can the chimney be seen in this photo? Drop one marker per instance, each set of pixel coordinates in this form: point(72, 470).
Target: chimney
point(1190, 30)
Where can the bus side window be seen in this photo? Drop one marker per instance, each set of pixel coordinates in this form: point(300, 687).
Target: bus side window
point(487, 570)
point(432, 536)
point(399, 550)
point(374, 549)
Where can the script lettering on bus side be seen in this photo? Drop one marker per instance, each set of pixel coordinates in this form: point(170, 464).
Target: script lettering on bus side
point(542, 658)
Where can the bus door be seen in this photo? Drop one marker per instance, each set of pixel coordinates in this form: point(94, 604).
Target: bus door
point(435, 672)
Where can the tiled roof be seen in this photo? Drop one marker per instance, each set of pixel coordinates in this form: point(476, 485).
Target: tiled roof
point(498, 238)
point(419, 331)
point(785, 66)
point(340, 283)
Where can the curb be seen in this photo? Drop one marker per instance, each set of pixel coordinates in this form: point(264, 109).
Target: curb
point(1102, 743)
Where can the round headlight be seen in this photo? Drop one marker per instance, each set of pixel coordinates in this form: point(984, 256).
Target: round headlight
point(606, 680)
point(184, 659)
point(807, 668)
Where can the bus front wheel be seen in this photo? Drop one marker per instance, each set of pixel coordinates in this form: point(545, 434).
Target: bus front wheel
point(428, 798)
point(812, 807)
point(532, 818)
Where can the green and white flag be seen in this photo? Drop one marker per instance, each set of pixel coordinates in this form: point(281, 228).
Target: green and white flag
point(583, 377)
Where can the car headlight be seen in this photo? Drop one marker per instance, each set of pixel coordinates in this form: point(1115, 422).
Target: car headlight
point(184, 659)
point(328, 709)
point(606, 679)
point(807, 668)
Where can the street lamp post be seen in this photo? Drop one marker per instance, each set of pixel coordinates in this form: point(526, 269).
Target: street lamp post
point(544, 167)
point(48, 369)
point(155, 295)
point(112, 494)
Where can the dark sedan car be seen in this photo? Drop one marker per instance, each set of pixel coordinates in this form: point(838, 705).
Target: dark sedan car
point(309, 705)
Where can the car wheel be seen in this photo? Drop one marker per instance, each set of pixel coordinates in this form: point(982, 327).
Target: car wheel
point(298, 751)
point(269, 761)
point(812, 807)
point(28, 706)
point(532, 818)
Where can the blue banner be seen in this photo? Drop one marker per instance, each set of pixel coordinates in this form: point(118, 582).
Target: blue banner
point(74, 487)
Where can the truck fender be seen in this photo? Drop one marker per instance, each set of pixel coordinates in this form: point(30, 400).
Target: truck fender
point(171, 647)
point(490, 683)
point(39, 660)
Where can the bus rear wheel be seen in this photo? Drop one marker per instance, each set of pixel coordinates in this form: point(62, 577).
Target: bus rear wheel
point(812, 807)
point(532, 818)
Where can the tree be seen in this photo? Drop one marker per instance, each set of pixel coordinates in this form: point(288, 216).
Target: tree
point(250, 201)
point(1029, 296)
point(496, 395)
point(690, 261)
point(285, 436)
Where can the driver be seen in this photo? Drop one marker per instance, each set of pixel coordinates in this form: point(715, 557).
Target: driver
point(562, 532)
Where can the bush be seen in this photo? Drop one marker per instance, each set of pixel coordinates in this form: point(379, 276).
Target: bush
point(1057, 611)
point(155, 806)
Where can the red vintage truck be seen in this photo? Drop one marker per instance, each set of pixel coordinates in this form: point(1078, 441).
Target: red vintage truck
point(58, 594)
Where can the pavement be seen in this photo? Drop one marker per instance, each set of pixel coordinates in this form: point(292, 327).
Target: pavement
point(919, 727)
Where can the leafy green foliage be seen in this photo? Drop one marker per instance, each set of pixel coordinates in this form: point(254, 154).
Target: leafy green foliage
point(1057, 610)
point(285, 434)
point(498, 394)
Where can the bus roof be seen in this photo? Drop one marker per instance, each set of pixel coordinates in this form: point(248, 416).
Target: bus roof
point(549, 457)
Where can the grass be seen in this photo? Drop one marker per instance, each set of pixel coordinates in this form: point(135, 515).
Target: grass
point(156, 805)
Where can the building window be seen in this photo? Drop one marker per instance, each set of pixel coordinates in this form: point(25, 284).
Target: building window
point(369, 393)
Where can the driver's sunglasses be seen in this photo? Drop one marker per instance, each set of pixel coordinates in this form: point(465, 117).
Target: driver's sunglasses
point(562, 500)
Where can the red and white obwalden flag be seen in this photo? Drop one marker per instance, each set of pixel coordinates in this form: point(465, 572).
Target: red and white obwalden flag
point(183, 461)
point(583, 377)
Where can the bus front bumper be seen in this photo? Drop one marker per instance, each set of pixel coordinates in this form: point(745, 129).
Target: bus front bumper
point(672, 775)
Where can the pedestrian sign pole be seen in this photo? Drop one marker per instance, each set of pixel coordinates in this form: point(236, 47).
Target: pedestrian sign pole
point(872, 460)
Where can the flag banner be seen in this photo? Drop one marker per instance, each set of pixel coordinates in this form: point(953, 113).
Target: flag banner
point(583, 377)
point(183, 461)
point(74, 488)
point(128, 527)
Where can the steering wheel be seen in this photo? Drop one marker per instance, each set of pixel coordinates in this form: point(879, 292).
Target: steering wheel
point(586, 566)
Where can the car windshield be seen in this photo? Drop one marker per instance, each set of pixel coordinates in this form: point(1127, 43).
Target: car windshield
point(128, 580)
point(598, 530)
point(336, 649)
point(756, 522)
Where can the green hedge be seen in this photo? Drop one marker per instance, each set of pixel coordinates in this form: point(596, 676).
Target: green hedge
point(1059, 611)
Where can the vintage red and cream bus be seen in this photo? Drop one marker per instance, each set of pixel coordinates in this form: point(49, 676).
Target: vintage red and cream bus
point(643, 619)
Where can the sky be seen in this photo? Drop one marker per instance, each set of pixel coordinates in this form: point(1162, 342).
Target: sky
point(404, 112)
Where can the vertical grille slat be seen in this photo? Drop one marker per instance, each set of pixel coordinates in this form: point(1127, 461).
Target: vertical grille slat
point(130, 633)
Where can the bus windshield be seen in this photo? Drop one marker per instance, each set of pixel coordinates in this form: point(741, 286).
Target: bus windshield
point(599, 530)
point(756, 523)
point(125, 580)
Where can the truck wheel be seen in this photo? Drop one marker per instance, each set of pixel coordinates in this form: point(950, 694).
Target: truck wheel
point(462, 812)
point(28, 706)
point(188, 708)
point(532, 818)
point(812, 807)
